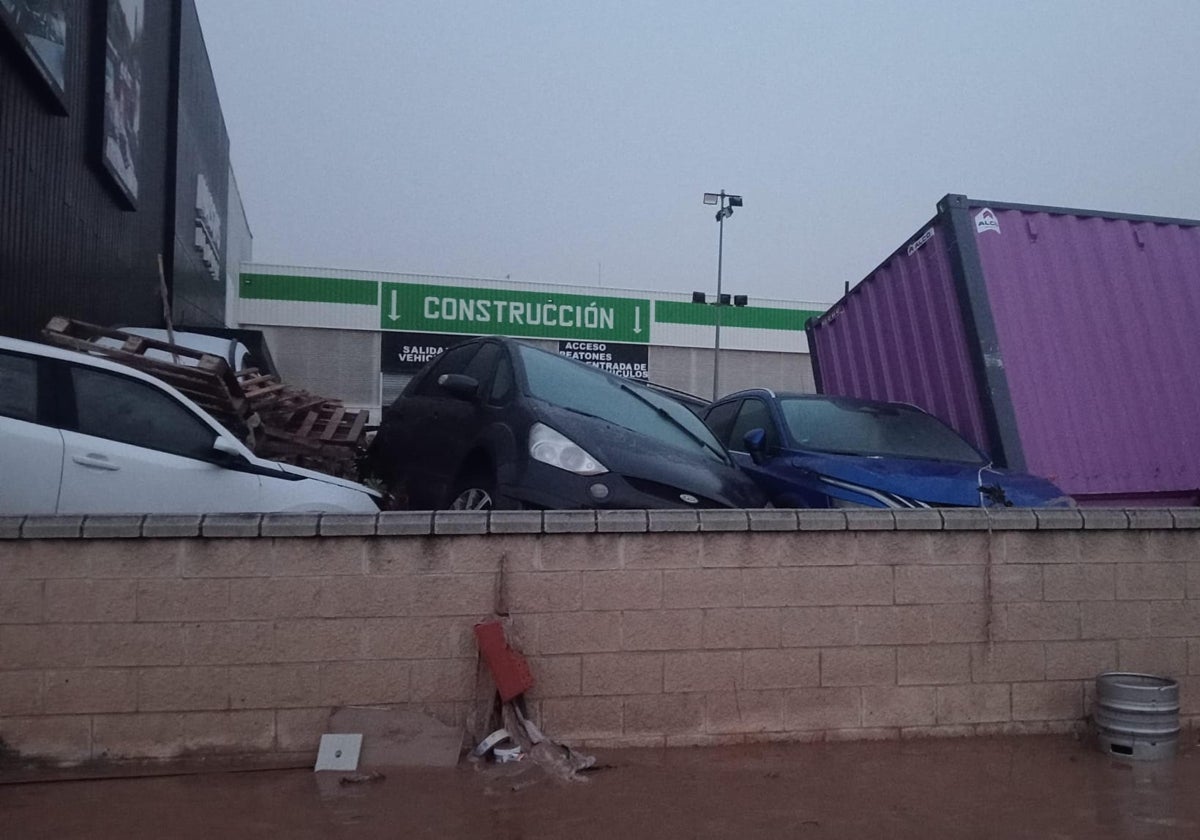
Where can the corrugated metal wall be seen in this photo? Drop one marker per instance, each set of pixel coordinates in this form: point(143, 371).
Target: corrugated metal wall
point(202, 152)
point(900, 335)
point(1097, 320)
point(66, 245)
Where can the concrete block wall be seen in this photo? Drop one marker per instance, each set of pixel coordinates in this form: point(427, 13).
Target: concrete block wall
point(168, 637)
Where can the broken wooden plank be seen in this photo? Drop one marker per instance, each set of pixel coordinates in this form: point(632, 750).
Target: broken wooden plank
point(356, 428)
point(310, 420)
point(331, 426)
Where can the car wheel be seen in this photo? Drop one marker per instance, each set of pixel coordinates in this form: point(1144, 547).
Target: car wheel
point(473, 492)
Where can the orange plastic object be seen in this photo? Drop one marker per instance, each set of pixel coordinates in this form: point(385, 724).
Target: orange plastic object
point(509, 669)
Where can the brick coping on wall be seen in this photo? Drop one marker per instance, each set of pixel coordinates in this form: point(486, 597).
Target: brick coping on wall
point(455, 523)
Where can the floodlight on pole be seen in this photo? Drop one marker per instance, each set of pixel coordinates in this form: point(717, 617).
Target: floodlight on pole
point(727, 203)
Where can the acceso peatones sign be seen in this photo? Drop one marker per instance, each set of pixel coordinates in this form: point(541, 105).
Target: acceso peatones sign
point(631, 361)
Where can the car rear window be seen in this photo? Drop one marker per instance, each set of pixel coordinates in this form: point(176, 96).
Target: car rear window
point(18, 387)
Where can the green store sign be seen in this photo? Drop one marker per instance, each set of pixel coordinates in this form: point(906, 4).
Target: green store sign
point(472, 311)
point(469, 310)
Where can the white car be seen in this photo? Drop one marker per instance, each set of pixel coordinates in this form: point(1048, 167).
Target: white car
point(235, 354)
point(82, 435)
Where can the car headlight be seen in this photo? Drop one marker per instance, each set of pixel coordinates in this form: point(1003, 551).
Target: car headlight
point(557, 450)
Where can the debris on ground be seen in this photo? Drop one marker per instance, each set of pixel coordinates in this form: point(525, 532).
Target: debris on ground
point(399, 737)
point(502, 748)
point(339, 751)
point(520, 740)
point(555, 760)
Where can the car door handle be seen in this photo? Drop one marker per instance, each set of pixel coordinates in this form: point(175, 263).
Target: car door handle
point(95, 462)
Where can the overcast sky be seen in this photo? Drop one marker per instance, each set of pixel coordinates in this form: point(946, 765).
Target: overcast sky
point(562, 141)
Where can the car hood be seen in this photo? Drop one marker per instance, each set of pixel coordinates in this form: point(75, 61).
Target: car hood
point(939, 483)
point(301, 472)
point(636, 455)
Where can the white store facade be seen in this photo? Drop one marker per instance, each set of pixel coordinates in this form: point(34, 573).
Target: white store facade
point(359, 336)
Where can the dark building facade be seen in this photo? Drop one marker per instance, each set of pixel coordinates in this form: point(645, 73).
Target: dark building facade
point(201, 220)
point(114, 156)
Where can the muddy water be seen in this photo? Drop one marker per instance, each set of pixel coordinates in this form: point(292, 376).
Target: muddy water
point(981, 788)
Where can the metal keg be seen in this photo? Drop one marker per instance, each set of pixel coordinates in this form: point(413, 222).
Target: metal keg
point(1137, 715)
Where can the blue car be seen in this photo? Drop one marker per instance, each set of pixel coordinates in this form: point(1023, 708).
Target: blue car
point(810, 451)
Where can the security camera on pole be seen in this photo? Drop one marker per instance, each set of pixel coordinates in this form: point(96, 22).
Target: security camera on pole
point(726, 204)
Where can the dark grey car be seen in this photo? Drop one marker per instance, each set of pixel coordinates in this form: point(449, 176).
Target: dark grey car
point(493, 422)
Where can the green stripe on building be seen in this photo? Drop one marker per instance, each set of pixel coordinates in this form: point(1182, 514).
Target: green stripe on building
point(309, 289)
point(755, 317)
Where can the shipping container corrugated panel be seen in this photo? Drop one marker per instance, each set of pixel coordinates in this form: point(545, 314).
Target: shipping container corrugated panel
point(1077, 328)
point(899, 335)
point(1096, 318)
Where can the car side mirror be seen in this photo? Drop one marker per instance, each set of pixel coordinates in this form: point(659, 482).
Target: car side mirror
point(226, 452)
point(756, 444)
point(459, 385)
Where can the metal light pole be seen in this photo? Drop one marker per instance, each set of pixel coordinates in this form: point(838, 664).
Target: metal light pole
point(717, 333)
point(727, 203)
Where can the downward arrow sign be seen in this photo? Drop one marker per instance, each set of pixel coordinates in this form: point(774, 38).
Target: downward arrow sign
point(637, 320)
point(395, 315)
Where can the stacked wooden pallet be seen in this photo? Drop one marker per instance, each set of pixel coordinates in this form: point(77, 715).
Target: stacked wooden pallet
point(275, 421)
point(302, 428)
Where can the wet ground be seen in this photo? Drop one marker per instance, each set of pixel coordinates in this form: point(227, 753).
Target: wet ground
point(1032, 787)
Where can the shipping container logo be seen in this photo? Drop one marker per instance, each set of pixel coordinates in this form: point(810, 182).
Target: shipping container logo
point(986, 220)
point(913, 247)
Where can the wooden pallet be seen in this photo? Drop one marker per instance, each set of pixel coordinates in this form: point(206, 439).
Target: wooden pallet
point(297, 425)
point(274, 420)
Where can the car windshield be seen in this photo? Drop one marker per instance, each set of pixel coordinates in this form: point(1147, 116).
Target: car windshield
point(578, 388)
point(854, 427)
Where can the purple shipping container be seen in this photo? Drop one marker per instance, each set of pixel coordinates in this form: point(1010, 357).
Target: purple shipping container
point(1062, 342)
